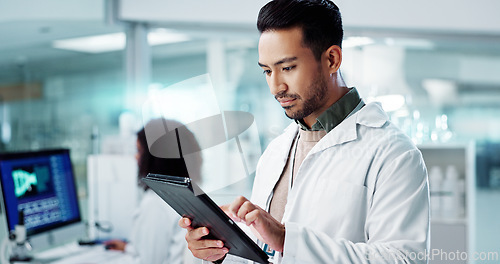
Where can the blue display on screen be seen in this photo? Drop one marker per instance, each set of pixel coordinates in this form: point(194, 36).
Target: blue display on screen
point(42, 185)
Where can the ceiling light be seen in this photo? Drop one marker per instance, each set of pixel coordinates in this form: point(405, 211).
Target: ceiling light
point(116, 41)
point(163, 36)
point(93, 44)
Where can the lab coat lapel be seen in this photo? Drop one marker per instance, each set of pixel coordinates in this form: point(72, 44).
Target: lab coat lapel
point(372, 115)
point(344, 132)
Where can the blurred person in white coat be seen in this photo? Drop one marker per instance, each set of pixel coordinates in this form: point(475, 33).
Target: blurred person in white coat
point(342, 184)
point(155, 236)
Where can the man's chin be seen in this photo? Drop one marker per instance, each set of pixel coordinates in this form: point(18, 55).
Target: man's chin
point(287, 114)
point(292, 115)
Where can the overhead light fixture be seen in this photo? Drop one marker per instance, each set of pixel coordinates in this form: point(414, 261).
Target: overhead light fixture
point(116, 41)
point(163, 36)
point(92, 44)
point(352, 42)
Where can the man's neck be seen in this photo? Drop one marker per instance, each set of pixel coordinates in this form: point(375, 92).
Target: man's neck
point(340, 91)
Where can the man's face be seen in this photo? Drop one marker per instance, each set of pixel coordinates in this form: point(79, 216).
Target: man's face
point(295, 77)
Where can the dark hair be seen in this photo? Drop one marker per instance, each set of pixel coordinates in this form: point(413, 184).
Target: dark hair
point(148, 163)
point(320, 21)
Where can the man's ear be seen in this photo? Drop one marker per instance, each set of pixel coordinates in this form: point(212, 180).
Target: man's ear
point(334, 58)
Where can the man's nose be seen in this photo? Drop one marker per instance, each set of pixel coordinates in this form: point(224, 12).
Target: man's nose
point(276, 84)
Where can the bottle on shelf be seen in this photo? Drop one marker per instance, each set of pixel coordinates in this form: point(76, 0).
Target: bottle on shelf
point(460, 197)
point(453, 190)
point(436, 181)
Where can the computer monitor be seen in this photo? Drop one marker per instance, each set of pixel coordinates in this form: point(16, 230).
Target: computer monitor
point(41, 184)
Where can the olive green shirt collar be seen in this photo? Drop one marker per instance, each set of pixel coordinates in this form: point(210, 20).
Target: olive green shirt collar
point(336, 113)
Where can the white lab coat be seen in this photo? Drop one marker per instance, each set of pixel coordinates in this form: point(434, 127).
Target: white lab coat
point(156, 237)
point(360, 196)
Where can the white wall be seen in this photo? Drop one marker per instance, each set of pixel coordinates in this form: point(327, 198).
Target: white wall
point(480, 16)
point(192, 11)
point(31, 23)
point(20, 10)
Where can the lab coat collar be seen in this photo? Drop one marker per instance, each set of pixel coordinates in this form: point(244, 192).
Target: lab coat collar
point(371, 115)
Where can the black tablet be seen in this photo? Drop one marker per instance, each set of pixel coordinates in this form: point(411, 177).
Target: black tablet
point(187, 199)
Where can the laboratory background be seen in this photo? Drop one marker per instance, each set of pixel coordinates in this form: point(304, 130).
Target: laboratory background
point(87, 75)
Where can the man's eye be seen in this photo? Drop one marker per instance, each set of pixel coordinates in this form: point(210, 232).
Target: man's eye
point(267, 72)
point(288, 68)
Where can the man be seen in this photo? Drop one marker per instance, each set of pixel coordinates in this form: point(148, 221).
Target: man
point(342, 184)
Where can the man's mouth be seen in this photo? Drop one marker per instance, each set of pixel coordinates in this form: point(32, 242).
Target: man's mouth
point(284, 102)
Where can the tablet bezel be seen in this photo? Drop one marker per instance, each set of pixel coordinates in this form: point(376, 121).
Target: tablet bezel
point(165, 184)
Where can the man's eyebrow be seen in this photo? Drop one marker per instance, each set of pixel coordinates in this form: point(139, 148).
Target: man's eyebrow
point(285, 60)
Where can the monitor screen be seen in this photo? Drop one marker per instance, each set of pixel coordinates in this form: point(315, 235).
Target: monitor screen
point(42, 185)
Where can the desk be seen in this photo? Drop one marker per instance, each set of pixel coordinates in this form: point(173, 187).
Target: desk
point(75, 254)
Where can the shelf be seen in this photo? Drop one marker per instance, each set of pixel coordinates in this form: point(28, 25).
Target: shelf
point(449, 221)
point(453, 233)
point(443, 146)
